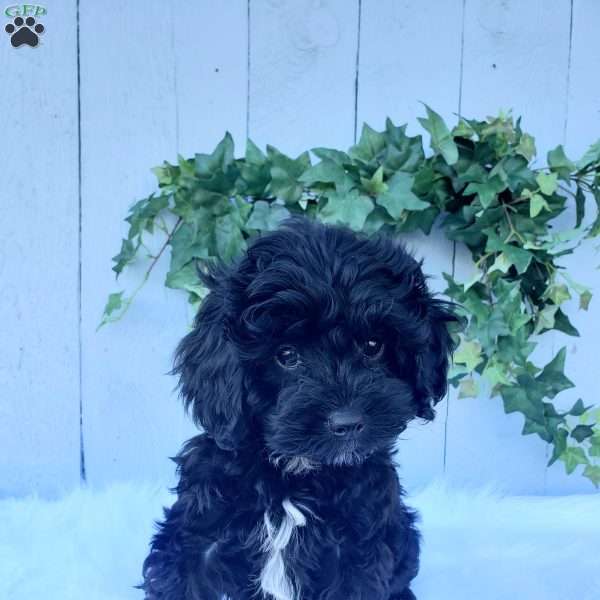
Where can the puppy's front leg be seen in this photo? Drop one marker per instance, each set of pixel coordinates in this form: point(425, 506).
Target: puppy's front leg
point(183, 555)
point(403, 540)
point(175, 567)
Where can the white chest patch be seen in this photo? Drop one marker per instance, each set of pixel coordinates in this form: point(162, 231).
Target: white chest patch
point(274, 581)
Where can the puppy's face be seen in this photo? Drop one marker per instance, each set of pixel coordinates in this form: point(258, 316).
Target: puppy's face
point(319, 344)
point(337, 372)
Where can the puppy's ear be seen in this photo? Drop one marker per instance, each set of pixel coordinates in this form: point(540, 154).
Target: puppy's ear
point(432, 362)
point(211, 380)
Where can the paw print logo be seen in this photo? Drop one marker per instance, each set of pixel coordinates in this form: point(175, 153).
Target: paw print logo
point(24, 32)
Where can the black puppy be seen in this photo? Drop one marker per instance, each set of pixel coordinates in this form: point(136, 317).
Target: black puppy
point(307, 359)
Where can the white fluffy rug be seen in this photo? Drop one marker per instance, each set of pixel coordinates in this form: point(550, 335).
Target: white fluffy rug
point(477, 546)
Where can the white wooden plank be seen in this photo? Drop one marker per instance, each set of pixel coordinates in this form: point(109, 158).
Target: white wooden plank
point(132, 421)
point(211, 77)
point(302, 73)
point(39, 389)
point(583, 118)
point(398, 72)
point(515, 56)
point(583, 128)
point(211, 45)
point(409, 54)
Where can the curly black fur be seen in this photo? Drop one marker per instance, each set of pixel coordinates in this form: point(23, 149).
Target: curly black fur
point(307, 359)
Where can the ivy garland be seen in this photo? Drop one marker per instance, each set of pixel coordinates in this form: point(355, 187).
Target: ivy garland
point(478, 185)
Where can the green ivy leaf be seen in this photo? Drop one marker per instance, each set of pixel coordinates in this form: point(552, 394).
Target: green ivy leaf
point(400, 197)
point(266, 216)
point(560, 164)
point(285, 175)
point(255, 172)
point(582, 432)
point(572, 457)
point(548, 183)
point(562, 323)
point(580, 289)
point(125, 256)
point(591, 156)
point(595, 445)
point(552, 377)
point(114, 303)
point(514, 171)
point(488, 331)
point(350, 209)
point(468, 388)
point(545, 318)
point(496, 373)
point(518, 256)
point(456, 373)
point(143, 213)
point(463, 129)
point(165, 174)
point(584, 299)
point(254, 155)
point(559, 441)
point(230, 241)
point(370, 145)
point(377, 219)
point(558, 293)
point(526, 146)
point(578, 408)
point(336, 156)
point(186, 279)
point(375, 184)
point(418, 219)
point(524, 398)
point(441, 140)
point(326, 171)
point(487, 191)
point(114, 308)
point(534, 427)
point(536, 204)
point(402, 152)
point(579, 206)
point(187, 243)
point(220, 159)
point(592, 472)
point(468, 353)
point(501, 263)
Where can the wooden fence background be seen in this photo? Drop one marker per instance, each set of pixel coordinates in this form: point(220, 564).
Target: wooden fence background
point(116, 87)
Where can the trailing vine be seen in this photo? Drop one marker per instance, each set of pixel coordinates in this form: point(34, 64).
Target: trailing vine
point(478, 184)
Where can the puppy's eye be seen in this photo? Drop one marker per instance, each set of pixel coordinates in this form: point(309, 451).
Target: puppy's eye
point(287, 357)
point(372, 348)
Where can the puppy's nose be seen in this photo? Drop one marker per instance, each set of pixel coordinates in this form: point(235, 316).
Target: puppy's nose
point(345, 422)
